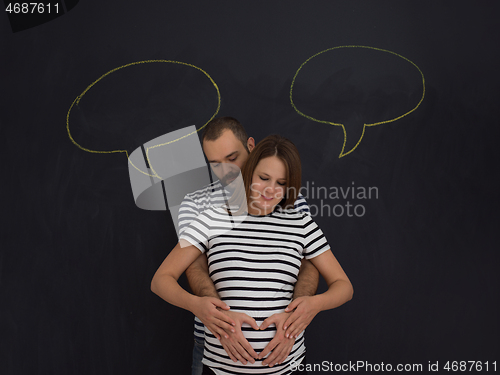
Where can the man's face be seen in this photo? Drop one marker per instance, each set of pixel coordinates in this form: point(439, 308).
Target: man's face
point(227, 155)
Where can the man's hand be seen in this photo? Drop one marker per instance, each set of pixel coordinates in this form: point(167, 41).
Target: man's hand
point(235, 344)
point(306, 309)
point(279, 346)
point(214, 319)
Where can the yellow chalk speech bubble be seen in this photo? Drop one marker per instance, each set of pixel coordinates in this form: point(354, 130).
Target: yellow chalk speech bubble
point(79, 97)
point(342, 153)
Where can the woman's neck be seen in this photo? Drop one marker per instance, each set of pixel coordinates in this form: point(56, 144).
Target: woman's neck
point(255, 211)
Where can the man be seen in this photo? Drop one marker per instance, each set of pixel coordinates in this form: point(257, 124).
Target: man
point(227, 146)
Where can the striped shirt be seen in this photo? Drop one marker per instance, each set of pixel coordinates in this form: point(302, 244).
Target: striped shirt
point(254, 262)
point(212, 195)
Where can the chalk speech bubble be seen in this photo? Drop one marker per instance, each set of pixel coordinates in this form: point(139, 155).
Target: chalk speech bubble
point(153, 173)
point(339, 77)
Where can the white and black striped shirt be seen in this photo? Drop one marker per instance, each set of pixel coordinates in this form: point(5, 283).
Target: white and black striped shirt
point(211, 196)
point(254, 262)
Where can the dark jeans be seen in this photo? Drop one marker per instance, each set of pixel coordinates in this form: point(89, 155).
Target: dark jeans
point(197, 366)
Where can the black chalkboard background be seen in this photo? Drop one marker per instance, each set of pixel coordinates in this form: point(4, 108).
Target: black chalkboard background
point(77, 255)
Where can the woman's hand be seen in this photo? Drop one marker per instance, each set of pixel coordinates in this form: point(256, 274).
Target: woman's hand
point(280, 346)
point(304, 310)
point(215, 320)
point(235, 344)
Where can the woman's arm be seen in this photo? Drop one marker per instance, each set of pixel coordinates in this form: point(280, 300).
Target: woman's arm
point(165, 285)
point(340, 289)
point(339, 292)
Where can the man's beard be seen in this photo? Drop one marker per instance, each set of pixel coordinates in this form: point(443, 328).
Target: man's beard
point(229, 178)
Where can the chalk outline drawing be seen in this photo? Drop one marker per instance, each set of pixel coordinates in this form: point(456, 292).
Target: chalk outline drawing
point(79, 97)
point(342, 154)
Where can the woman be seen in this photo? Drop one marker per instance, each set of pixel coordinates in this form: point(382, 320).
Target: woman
point(254, 259)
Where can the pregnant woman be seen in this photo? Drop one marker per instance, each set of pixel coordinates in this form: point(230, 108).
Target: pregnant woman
point(254, 258)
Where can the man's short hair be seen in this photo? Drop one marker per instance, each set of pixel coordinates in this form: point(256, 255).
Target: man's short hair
point(215, 128)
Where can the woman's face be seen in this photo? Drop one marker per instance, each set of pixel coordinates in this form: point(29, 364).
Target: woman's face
point(268, 186)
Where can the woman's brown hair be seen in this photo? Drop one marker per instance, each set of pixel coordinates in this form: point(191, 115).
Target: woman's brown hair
point(285, 150)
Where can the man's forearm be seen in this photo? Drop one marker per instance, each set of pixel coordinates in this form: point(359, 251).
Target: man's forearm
point(307, 281)
point(199, 280)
